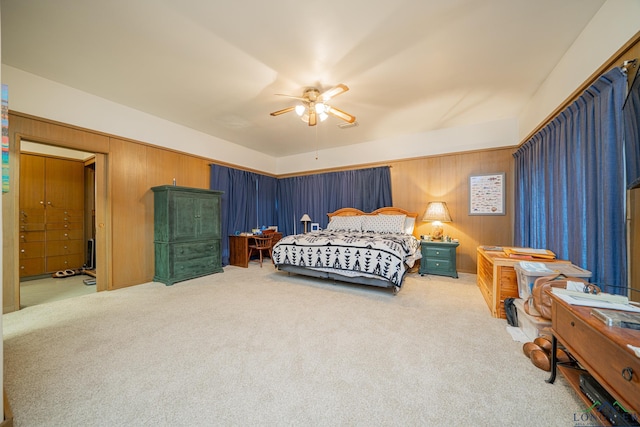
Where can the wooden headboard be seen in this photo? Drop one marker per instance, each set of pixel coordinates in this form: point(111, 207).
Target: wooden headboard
point(384, 211)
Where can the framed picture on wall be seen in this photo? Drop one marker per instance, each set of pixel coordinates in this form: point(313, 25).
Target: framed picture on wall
point(487, 194)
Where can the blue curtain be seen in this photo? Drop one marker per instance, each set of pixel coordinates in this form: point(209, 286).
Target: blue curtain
point(631, 112)
point(251, 200)
point(570, 185)
point(247, 202)
point(319, 194)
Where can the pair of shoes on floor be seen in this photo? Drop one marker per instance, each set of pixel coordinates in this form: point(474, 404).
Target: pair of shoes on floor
point(539, 351)
point(64, 273)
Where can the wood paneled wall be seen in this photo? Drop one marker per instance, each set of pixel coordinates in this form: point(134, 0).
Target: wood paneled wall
point(445, 178)
point(131, 168)
point(134, 169)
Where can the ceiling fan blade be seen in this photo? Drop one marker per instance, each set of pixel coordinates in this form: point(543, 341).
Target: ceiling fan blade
point(285, 110)
point(292, 96)
point(341, 114)
point(333, 92)
point(312, 117)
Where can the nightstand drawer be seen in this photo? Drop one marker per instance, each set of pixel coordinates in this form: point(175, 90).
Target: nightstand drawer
point(438, 265)
point(440, 253)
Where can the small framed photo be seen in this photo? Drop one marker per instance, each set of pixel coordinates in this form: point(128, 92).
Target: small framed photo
point(315, 226)
point(487, 194)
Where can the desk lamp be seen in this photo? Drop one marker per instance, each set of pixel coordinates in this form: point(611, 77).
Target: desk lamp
point(305, 218)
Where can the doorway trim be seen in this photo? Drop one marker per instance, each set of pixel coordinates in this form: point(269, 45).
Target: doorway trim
point(103, 219)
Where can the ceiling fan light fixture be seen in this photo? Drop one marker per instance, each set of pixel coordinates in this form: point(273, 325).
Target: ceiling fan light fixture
point(314, 107)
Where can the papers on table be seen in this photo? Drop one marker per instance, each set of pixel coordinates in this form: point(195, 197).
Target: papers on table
point(533, 267)
point(588, 300)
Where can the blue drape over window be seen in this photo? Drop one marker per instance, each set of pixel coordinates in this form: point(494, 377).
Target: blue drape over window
point(319, 194)
point(251, 200)
point(570, 186)
point(247, 202)
point(631, 111)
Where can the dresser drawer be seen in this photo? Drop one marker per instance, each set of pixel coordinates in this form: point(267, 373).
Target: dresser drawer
point(62, 247)
point(31, 236)
point(63, 262)
point(73, 234)
point(62, 215)
point(66, 225)
point(608, 361)
point(31, 250)
point(31, 226)
point(31, 267)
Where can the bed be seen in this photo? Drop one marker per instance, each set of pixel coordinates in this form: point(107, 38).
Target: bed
point(375, 249)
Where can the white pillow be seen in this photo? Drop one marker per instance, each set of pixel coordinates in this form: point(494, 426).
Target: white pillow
point(383, 223)
point(345, 223)
point(409, 224)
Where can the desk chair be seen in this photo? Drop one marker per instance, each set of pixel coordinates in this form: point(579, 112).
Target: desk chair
point(261, 244)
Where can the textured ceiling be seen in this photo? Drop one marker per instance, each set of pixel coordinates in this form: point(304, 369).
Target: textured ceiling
point(411, 66)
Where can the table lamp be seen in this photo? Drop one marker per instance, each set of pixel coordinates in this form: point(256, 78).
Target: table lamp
point(305, 218)
point(437, 213)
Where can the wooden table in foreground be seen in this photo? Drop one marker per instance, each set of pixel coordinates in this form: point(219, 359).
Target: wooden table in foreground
point(239, 249)
point(601, 350)
point(497, 279)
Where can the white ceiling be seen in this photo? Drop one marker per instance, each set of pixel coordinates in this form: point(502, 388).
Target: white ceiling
point(412, 66)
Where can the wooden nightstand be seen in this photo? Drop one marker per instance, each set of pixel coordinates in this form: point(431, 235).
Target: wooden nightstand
point(438, 258)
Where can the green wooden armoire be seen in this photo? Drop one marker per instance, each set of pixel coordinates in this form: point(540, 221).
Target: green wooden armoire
point(187, 233)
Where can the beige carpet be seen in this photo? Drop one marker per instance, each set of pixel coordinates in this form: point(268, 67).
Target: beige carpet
point(257, 347)
point(40, 291)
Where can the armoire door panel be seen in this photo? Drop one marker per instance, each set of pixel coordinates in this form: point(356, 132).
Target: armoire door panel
point(31, 182)
point(64, 184)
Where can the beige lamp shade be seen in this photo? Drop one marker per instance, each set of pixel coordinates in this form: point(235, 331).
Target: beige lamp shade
point(305, 218)
point(437, 213)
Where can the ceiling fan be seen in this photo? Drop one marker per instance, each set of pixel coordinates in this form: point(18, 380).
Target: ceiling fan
point(314, 105)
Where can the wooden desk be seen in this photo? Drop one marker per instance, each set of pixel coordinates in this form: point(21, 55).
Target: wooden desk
point(601, 350)
point(239, 249)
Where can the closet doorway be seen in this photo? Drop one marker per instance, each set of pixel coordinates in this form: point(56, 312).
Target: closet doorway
point(57, 223)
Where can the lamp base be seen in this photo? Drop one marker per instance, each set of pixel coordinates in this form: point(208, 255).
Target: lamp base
point(437, 232)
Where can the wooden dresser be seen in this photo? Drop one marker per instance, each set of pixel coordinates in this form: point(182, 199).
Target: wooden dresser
point(187, 233)
point(51, 234)
point(497, 279)
point(601, 350)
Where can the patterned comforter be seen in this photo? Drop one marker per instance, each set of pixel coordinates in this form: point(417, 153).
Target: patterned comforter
point(387, 256)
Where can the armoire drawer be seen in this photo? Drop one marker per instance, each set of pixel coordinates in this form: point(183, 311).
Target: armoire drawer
point(182, 251)
point(58, 247)
point(31, 250)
